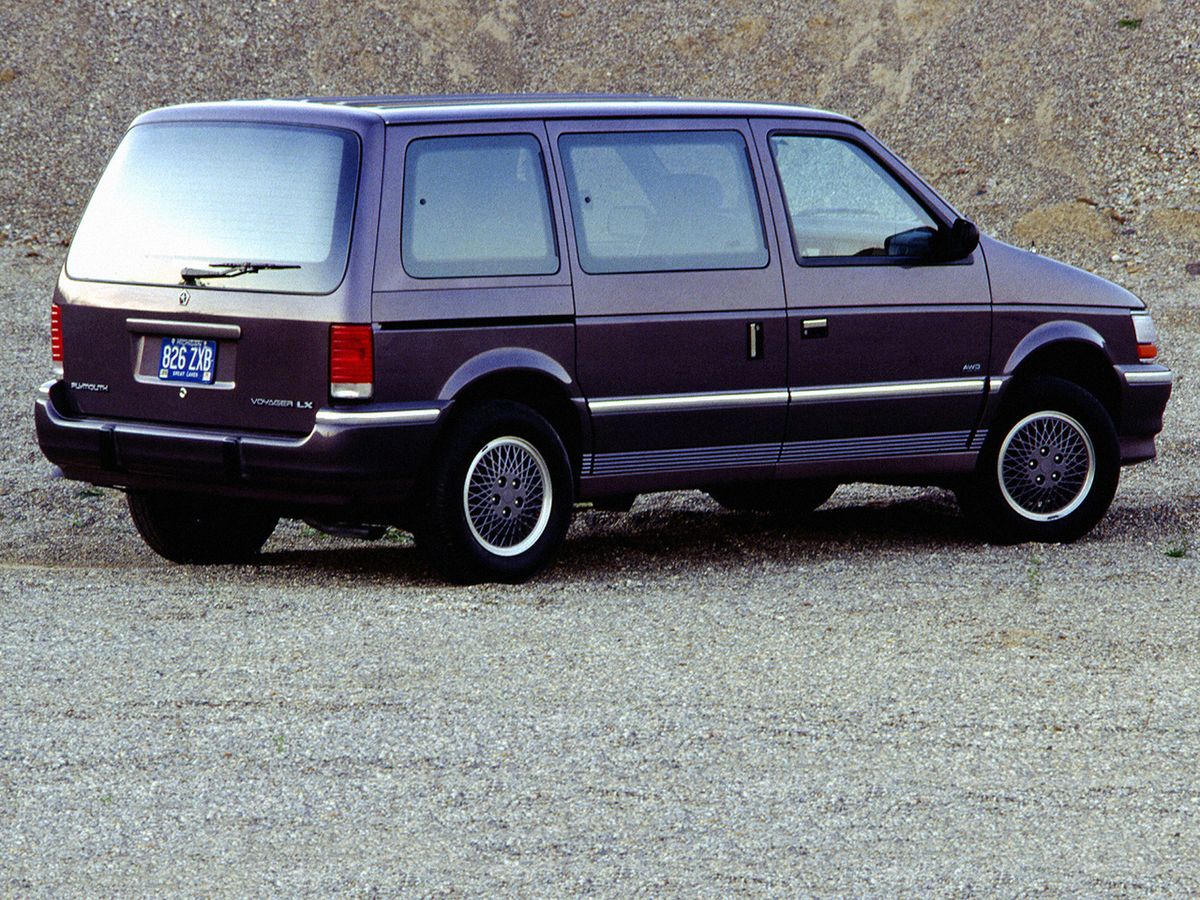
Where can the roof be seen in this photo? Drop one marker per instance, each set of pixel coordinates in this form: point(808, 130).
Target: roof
point(397, 109)
point(403, 107)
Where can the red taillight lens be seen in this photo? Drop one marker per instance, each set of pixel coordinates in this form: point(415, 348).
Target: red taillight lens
point(1147, 352)
point(56, 353)
point(351, 361)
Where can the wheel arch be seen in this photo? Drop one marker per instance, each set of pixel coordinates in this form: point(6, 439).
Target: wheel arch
point(1068, 350)
point(527, 377)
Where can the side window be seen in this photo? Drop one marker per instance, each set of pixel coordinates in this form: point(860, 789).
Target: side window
point(841, 202)
point(663, 201)
point(476, 206)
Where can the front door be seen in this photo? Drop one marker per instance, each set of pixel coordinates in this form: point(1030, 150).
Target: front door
point(889, 348)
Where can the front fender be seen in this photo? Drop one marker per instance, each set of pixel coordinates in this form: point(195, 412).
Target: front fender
point(1055, 332)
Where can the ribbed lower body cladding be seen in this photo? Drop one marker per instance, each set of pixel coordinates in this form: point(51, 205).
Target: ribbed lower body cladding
point(934, 442)
point(919, 458)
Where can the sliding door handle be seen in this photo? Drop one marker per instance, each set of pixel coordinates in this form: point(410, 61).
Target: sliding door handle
point(754, 340)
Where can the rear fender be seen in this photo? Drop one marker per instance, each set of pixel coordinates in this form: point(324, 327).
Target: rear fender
point(503, 361)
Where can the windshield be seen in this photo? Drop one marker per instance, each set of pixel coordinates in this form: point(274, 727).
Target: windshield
point(275, 200)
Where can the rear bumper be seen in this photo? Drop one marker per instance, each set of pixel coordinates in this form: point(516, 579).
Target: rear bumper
point(366, 459)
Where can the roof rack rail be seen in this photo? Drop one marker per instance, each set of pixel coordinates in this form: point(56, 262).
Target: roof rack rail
point(394, 100)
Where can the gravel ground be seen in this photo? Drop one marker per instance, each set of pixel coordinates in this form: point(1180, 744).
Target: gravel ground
point(690, 701)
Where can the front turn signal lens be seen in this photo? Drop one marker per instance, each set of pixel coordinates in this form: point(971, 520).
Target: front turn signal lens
point(1146, 336)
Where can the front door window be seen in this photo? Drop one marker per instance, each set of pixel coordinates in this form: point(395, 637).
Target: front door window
point(841, 203)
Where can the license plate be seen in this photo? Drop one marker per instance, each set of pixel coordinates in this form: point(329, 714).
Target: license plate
point(188, 359)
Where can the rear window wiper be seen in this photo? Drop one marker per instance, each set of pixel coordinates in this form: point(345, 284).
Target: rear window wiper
point(231, 270)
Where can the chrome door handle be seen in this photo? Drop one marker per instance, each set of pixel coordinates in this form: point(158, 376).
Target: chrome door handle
point(755, 340)
point(814, 328)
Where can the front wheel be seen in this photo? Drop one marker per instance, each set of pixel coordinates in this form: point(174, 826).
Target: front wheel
point(499, 498)
point(1049, 470)
point(195, 529)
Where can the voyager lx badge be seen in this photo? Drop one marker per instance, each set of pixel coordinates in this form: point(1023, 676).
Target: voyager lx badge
point(282, 404)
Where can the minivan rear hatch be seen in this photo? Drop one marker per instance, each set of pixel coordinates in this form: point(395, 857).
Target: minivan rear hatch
point(191, 288)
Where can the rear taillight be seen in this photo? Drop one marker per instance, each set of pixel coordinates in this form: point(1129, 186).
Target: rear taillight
point(56, 347)
point(351, 362)
point(1146, 336)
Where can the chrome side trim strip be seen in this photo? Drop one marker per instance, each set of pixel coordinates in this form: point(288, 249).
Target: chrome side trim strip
point(1155, 376)
point(890, 389)
point(667, 402)
point(377, 416)
point(997, 382)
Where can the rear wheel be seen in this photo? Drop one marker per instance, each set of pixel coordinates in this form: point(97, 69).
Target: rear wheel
point(190, 529)
point(784, 497)
point(499, 498)
point(1049, 470)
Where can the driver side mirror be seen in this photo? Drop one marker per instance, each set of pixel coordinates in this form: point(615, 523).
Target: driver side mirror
point(956, 242)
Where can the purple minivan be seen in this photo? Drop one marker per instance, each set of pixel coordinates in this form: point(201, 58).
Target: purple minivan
point(461, 316)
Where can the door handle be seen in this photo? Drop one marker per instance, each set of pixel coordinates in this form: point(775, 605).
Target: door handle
point(814, 328)
point(754, 340)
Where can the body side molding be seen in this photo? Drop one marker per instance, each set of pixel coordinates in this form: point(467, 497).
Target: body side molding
point(775, 396)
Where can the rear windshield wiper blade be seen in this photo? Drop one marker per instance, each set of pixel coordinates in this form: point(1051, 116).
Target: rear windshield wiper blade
point(231, 270)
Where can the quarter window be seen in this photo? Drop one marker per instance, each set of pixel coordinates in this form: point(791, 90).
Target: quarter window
point(663, 201)
point(477, 206)
point(842, 203)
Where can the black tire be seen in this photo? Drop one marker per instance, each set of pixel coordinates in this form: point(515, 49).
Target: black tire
point(197, 530)
point(476, 529)
point(795, 498)
point(1049, 468)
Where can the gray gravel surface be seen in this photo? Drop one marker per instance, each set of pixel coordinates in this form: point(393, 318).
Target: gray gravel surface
point(689, 702)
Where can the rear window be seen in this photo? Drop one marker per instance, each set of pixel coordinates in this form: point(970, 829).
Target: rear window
point(209, 197)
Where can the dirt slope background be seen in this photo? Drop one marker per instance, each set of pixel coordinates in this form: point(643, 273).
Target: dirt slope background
point(1072, 126)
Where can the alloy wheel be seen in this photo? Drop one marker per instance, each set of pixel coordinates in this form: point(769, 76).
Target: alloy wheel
point(507, 496)
point(1046, 466)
